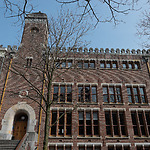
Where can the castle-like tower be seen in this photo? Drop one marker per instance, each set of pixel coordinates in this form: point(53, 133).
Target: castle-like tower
point(18, 114)
point(101, 97)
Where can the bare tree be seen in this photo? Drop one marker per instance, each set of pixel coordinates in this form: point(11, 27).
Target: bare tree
point(17, 8)
point(66, 30)
point(143, 29)
point(94, 8)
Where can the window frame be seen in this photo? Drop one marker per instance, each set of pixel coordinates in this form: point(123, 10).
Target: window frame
point(133, 65)
point(111, 126)
point(64, 146)
point(82, 94)
point(58, 126)
point(115, 147)
point(104, 64)
point(112, 94)
point(92, 146)
point(138, 94)
point(139, 125)
point(60, 92)
point(29, 61)
point(86, 125)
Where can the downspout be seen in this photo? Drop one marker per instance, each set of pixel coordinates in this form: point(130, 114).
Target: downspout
point(2, 65)
point(5, 84)
point(147, 64)
point(40, 114)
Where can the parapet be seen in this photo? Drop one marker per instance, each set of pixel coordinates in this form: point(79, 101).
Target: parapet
point(105, 51)
point(36, 17)
point(9, 50)
point(81, 50)
point(3, 50)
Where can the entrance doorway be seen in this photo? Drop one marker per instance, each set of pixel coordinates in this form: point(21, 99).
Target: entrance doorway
point(20, 126)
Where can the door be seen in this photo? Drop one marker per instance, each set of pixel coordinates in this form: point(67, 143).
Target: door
point(20, 126)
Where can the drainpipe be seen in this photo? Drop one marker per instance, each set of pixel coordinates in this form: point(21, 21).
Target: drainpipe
point(40, 113)
point(5, 84)
point(2, 65)
point(147, 64)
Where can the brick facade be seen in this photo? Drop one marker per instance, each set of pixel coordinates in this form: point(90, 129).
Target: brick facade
point(112, 74)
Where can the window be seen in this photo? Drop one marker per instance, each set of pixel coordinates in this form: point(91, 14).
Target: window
point(61, 122)
point(69, 64)
point(141, 123)
point(29, 62)
point(114, 64)
point(80, 64)
point(87, 93)
point(118, 147)
point(137, 65)
point(86, 64)
point(124, 65)
point(131, 65)
point(60, 147)
point(89, 147)
point(108, 64)
point(34, 30)
point(143, 147)
point(112, 94)
point(115, 123)
point(62, 93)
point(102, 64)
point(88, 123)
point(136, 94)
point(92, 64)
point(63, 64)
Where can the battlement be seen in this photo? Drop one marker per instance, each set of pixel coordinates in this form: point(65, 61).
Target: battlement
point(81, 50)
point(36, 17)
point(105, 51)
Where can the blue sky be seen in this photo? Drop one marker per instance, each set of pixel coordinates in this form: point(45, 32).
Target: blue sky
point(106, 35)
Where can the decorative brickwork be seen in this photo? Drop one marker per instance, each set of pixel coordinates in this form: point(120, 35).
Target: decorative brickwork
point(101, 100)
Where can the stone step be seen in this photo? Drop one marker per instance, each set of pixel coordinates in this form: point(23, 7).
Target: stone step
point(8, 144)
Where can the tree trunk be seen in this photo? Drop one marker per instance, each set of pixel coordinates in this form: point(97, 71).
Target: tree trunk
point(47, 127)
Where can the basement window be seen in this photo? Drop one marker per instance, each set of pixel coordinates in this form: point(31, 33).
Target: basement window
point(142, 147)
point(118, 147)
point(89, 147)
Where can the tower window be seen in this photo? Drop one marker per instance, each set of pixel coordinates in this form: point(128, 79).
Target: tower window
point(29, 62)
point(34, 30)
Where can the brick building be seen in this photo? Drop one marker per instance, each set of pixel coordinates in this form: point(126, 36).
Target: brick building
point(102, 96)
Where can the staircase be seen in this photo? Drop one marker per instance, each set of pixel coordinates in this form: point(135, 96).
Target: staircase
point(8, 144)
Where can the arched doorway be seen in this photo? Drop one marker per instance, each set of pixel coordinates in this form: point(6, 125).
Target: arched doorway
point(20, 126)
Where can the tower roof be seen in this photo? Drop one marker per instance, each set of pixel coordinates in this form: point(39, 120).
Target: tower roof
point(37, 15)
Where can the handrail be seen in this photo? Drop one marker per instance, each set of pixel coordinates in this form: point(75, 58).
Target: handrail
point(22, 142)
